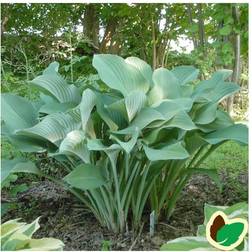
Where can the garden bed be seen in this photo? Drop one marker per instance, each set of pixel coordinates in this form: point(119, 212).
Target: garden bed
point(65, 219)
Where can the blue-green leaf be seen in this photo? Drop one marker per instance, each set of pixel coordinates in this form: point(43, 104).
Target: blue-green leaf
point(85, 177)
point(169, 152)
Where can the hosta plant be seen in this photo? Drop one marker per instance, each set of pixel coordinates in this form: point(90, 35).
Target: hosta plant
point(16, 235)
point(200, 242)
point(130, 146)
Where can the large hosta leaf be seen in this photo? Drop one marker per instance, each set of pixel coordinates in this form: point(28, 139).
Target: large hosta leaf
point(223, 90)
point(53, 127)
point(29, 229)
point(86, 176)
point(129, 140)
point(187, 244)
point(45, 244)
point(134, 102)
point(185, 74)
point(53, 84)
point(28, 144)
point(75, 143)
point(222, 120)
point(112, 110)
point(54, 107)
point(236, 132)
point(214, 92)
point(166, 86)
point(111, 151)
point(217, 77)
point(206, 113)
point(17, 165)
point(97, 145)
point(193, 141)
point(52, 68)
point(181, 120)
point(221, 75)
point(17, 235)
point(88, 102)
point(17, 112)
point(169, 108)
point(172, 151)
point(147, 116)
point(118, 112)
point(143, 67)
point(119, 75)
point(187, 90)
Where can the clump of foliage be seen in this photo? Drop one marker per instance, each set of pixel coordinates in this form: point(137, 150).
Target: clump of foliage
point(16, 235)
point(199, 242)
point(137, 140)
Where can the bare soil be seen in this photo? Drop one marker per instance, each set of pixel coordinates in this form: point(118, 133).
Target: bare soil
point(64, 218)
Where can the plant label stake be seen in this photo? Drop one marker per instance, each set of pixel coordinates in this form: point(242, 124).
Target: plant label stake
point(152, 223)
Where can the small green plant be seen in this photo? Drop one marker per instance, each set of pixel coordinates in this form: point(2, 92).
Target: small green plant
point(106, 245)
point(16, 235)
point(138, 140)
point(200, 242)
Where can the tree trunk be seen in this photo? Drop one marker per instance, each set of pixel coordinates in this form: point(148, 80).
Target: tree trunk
point(154, 47)
point(189, 12)
point(3, 23)
point(106, 43)
point(201, 27)
point(237, 61)
point(91, 24)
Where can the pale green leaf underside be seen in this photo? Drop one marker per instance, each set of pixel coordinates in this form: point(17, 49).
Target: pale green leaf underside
point(88, 102)
point(134, 103)
point(75, 143)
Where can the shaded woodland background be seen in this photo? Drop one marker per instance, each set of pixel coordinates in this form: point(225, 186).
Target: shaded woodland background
point(33, 35)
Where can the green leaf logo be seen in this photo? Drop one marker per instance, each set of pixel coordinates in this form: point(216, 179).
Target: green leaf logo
point(224, 233)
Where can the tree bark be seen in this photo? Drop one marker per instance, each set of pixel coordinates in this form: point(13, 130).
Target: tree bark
point(154, 47)
point(237, 61)
point(201, 27)
point(189, 12)
point(3, 23)
point(91, 24)
point(106, 43)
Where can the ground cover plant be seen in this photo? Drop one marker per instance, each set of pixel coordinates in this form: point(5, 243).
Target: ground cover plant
point(16, 235)
point(129, 147)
